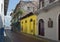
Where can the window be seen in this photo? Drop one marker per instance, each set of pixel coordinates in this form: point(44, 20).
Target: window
point(25, 21)
point(31, 20)
point(22, 22)
point(50, 23)
point(39, 3)
point(28, 8)
point(51, 1)
point(42, 3)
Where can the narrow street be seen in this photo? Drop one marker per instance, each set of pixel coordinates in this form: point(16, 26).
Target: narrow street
point(20, 37)
point(15, 37)
point(30, 21)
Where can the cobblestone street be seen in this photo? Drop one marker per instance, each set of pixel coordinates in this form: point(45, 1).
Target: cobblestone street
point(20, 37)
point(15, 37)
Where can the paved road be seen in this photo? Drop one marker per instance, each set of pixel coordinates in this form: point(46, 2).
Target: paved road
point(20, 37)
point(15, 37)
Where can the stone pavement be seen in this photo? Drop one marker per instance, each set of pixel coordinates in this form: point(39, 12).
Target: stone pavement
point(21, 37)
point(7, 39)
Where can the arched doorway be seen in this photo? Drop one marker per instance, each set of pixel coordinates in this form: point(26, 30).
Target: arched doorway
point(41, 27)
point(59, 27)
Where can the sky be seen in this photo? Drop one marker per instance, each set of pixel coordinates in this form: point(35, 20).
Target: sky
point(11, 6)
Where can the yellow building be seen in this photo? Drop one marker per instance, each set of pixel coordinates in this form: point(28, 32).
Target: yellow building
point(28, 24)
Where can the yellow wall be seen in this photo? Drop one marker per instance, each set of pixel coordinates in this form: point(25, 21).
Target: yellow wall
point(29, 27)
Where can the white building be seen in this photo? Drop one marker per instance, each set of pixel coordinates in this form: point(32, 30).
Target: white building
point(49, 19)
point(3, 10)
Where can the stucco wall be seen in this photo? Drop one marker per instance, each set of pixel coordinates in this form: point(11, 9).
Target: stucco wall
point(29, 26)
point(53, 13)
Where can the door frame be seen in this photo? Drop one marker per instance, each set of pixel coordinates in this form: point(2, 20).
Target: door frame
point(59, 27)
point(41, 30)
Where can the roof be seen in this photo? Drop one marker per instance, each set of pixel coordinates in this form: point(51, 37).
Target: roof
point(26, 16)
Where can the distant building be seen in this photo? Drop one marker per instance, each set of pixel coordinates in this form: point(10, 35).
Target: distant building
point(25, 7)
point(28, 18)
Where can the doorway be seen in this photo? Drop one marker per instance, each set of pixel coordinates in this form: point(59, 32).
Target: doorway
point(31, 26)
point(34, 27)
point(41, 27)
point(59, 27)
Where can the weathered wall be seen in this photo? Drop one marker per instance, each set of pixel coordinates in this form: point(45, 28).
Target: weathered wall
point(29, 26)
point(53, 13)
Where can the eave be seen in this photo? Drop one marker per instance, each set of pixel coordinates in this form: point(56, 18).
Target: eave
point(5, 6)
point(27, 15)
point(50, 6)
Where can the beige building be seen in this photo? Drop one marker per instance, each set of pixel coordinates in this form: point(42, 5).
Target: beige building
point(48, 23)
